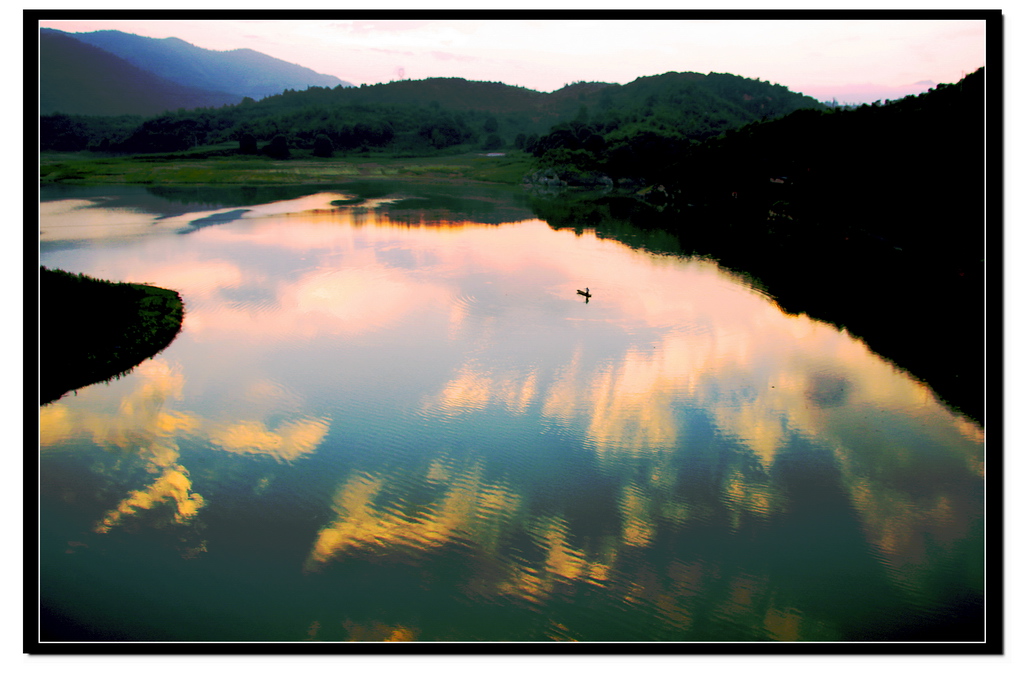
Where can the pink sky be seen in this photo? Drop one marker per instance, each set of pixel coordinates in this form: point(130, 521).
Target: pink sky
point(853, 61)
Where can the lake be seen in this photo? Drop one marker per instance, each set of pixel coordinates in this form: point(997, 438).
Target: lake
point(389, 416)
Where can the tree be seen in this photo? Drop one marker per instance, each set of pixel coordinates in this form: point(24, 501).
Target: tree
point(163, 134)
point(247, 143)
point(322, 146)
point(277, 148)
point(445, 132)
point(62, 133)
point(493, 142)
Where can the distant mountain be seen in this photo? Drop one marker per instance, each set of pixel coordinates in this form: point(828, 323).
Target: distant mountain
point(242, 72)
point(78, 78)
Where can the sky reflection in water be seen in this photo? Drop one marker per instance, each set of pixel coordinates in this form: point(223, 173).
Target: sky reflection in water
point(674, 460)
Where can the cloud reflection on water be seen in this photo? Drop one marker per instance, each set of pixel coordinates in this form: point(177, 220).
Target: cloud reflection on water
point(669, 356)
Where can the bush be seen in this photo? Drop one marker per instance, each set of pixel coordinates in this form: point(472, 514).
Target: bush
point(247, 143)
point(277, 148)
point(493, 142)
point(322, 146)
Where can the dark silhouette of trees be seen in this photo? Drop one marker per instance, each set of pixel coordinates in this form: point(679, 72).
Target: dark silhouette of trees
point(164, 134)
point(247, 143)
point(446, 131)
point(322, 146)
point(277, 148)
point(492, 142)
point(62, 133)
point(113, 327)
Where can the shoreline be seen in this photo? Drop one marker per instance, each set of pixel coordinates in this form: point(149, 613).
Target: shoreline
point(113, 327)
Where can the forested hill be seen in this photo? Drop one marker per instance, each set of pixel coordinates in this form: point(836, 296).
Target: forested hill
point(706, 103)
point(811, 165)
point(170, 73)
point(695, 103)
point(444, 114)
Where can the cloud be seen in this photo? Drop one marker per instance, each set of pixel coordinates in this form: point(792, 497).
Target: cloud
point(856, 94)
point(375, 27)
point(399, 52)
point(449, 56)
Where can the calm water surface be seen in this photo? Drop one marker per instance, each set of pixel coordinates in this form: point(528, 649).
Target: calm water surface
point(382, 422)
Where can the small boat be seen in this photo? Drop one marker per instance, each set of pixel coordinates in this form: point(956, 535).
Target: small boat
point(585, 293)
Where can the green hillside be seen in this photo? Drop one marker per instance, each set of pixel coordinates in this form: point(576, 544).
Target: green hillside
point(443, 114)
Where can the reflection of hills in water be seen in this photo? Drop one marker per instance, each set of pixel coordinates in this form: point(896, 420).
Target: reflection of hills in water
point(413, 203)
point(214, 219)
point(425, 204)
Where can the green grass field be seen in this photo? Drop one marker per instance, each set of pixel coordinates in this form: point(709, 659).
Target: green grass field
point(216, 166)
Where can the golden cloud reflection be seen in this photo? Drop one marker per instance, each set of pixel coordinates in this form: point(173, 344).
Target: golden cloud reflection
point(671, 357)
point(144, 426)
point(378, 632)
point(765, 379)
point(905, 526)
point(750, 370)
point(56, 424)
point(561, 564)
point(172, 486)
point(467, 508)
point(751, 600)
point(290, 441)
point(471, 390)
point(754, 381)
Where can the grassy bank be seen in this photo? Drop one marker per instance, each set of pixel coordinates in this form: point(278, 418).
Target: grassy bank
point(92, 330)
point(221, 166)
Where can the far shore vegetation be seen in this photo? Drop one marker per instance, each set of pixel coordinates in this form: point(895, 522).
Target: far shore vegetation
point(221, 166)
